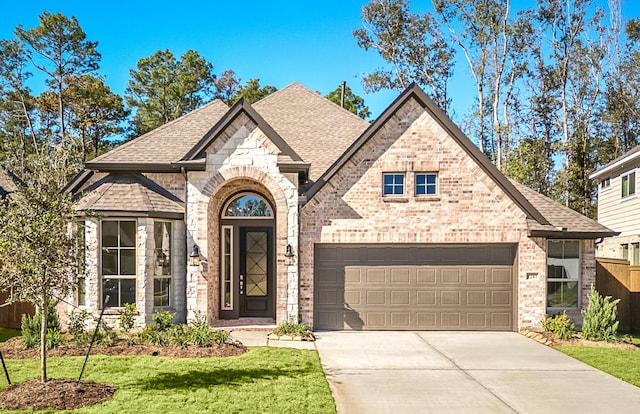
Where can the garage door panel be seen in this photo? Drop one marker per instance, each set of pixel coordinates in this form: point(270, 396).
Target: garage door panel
point(415, 287)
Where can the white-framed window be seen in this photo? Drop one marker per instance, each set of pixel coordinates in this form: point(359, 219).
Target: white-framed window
point(563, 274)
point(226, 263)
point(392, 184)
point(163, 269)
point(628, 184)
point(625, 251)
point(605, 184)
point(635, 258)
point(118, 242)
point(426, 184)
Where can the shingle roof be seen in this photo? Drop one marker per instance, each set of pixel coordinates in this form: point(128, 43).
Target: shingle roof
point(130, 193)
point(562, 220)
point(316, 128)
point(165, 144)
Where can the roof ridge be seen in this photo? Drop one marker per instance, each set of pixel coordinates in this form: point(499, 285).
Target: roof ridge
point(277, 92)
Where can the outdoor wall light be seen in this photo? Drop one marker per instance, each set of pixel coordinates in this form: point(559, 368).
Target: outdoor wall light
point(194, 256)
point(289, 256)
point(161, 258)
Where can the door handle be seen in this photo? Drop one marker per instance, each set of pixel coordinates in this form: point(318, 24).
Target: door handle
point(242, 284)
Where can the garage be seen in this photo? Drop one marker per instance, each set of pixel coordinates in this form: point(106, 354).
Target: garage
point(414, 287)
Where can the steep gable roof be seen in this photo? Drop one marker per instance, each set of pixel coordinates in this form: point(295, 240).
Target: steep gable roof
point(540, 216)
point(241, 107)
point(130, 194)
point(157, 149)
point(316, 128)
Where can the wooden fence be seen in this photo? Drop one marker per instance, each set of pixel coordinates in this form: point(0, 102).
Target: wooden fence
point(11, 315)
point(616, 278)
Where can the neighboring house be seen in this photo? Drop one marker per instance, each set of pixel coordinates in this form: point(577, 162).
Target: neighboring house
point(619, 206)
point(10, 315)
point(295, 209)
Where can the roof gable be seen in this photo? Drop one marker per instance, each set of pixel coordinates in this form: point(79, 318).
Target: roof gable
point(454, 132)
point(241, 107)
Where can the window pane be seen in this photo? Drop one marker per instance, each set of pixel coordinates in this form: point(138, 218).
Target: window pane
point(625, 251)
point(127, 262)
point(110, 289)
point(632, 183)
point(248, 205)
point(431, 178)
point(127, 291)
point(109, 261)
point(562, 294)
point(388, 179)
point(388, 189)
point(127, 234)
point(420, 179)
point(162, 238)
point(109, 234)
point(161, 289)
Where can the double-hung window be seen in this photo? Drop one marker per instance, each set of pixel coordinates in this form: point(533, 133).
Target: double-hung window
point(629, 184)
point(563, 273)
point(392, 184)
point(162, 270)
point(118, 262)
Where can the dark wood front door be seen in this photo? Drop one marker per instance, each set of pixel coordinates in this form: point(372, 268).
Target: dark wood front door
point(256, 276)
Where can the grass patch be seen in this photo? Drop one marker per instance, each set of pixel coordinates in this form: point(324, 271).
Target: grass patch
point(263, 380)
point(6, 333)
point(621, 363)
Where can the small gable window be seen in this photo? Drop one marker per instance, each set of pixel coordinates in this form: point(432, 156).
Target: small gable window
point(392, 184)
point(426, 184)
point(247, 205)
point(629, 184)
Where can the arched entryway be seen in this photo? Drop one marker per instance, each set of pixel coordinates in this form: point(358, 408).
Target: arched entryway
point(247, 279)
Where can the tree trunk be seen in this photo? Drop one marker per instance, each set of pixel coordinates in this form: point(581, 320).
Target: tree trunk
point(44, 310)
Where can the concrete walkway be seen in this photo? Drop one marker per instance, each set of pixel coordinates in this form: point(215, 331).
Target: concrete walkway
point(458, 372)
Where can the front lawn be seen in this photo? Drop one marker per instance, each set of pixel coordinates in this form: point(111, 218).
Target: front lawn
point(6, 333)
point(263, 380)
point(621, 363)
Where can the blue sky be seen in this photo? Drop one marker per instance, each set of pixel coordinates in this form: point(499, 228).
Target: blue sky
point(310, 42)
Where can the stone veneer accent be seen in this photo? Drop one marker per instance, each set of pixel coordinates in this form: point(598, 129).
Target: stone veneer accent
point(241, 159)
point(469, 207)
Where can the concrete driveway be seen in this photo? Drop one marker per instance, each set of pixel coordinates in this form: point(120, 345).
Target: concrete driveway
point(460, 372)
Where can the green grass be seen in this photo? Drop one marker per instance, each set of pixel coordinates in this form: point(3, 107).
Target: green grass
point(263, 380)
point(6, 333)
point(621, 363)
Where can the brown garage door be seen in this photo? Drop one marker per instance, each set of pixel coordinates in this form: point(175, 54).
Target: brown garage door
point(414, 287)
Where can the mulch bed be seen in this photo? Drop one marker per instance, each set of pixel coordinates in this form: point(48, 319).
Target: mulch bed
point(67, 394)
point(59, 394)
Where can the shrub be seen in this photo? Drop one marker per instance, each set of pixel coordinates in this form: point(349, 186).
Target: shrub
point(600, 318)
point(127, 316)
point(291, 328)
point(76, 322)
point(31, 328)
point(560, 325)
point(163, 320)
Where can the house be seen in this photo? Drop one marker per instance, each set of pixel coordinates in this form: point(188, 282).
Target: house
point(295, 209)
point(619, 206)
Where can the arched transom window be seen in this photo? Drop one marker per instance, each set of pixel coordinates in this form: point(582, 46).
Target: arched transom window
point(247, 205)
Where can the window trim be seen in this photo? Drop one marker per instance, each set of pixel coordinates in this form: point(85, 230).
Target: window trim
point(171, 265)
point(605, 184)
point(237, 196)
point(631, 177)
point(394, 184)
point(426, 185)
point(118, 276)
point(577, 279)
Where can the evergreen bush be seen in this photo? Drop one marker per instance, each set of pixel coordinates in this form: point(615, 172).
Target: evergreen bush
point(600, 318)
